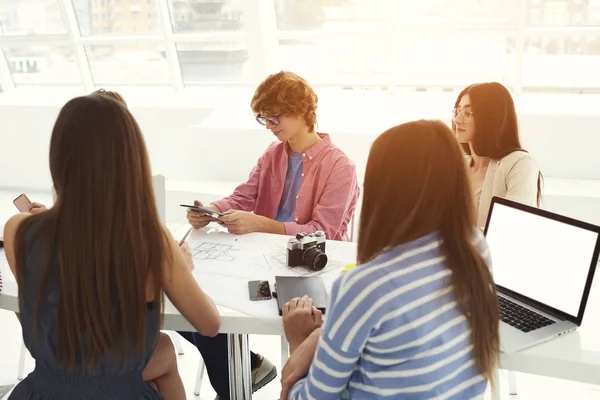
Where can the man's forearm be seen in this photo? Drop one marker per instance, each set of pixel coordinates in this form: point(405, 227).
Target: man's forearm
point(268, 225)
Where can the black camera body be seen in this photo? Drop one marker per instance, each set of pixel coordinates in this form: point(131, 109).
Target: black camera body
point(307, 249)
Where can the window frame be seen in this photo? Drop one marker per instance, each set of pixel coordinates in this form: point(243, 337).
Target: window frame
point(262, 37)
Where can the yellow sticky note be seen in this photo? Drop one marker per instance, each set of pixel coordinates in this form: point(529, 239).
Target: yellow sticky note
point(348, 268)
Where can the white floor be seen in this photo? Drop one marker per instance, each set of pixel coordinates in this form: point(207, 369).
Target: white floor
point(529, 386)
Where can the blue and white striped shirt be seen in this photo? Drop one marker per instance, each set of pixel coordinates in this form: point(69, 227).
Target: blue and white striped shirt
point(394, 331)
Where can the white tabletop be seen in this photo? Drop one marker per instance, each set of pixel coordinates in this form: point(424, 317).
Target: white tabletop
point(257, 256)
point(575, 356)
point(223, 273)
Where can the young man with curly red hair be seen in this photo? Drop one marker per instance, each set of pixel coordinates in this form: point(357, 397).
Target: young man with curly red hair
point(302, 183)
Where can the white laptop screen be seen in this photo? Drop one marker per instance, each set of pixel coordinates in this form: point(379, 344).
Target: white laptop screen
point(539, 257)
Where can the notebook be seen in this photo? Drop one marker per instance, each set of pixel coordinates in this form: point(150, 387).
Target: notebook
point(288, 287)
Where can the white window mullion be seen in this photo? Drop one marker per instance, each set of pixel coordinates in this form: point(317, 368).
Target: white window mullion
point(78, 48)
point(260, 24)
point(522, 14)
point(169, 43)
point(5, 74)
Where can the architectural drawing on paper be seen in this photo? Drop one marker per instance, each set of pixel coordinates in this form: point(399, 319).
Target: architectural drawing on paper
point(214, 251)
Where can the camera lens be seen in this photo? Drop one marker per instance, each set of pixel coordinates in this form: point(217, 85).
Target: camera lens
point(315, 259)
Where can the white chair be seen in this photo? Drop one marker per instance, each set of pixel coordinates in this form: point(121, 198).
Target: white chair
point(199, 376)
point(22, 357)
point(176, 342)
point(512, 383)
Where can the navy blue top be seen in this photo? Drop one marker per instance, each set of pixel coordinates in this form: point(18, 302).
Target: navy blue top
point(52, 381)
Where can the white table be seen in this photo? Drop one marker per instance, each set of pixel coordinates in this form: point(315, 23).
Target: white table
point(258, 256)
point(226, 282)
point(574, 357)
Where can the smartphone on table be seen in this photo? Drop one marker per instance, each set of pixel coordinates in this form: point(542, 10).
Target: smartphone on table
point(259, 290)
point(205, 211)
point(22, 203)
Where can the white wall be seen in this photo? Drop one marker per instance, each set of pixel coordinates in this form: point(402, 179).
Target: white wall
point(205, 143)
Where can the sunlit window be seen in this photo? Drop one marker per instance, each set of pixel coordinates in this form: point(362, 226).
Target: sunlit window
point(206, 16)
point(128, 63)
point(216, 61)
point(42, 65)
point(32, 17)
point(111, 17)
point(525, 44)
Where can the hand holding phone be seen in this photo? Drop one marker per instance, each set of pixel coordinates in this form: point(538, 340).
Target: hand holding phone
point(203, 210)
point(22, 203)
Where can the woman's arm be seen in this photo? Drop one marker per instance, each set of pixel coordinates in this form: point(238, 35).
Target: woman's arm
point(299, 362)
point(185, 294)
point(10, 231)
point(338, 353)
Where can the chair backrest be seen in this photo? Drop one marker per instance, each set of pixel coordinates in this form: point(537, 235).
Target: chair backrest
point(160, 194)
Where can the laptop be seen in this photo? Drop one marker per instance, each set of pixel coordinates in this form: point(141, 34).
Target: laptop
point(543, 265)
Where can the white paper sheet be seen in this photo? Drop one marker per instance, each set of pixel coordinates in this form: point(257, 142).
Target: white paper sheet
point(224, 264)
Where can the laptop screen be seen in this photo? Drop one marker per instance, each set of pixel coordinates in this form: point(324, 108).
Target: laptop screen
point(540, 257)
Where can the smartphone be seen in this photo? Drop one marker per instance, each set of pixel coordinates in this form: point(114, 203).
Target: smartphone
point(205, 211)
point(259, 290)
point(22, 203)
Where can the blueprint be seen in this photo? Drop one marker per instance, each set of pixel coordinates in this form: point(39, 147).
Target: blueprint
point(214, 251)
point(225, 263)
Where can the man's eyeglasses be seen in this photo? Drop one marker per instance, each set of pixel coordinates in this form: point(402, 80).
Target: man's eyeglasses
point(263, 120)
point(467, 114)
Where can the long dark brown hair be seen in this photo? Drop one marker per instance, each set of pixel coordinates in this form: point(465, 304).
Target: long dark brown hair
point(103, 237)
point(416, 183)
point(496, 125)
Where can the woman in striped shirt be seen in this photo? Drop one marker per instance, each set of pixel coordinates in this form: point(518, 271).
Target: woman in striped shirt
point(418, 318)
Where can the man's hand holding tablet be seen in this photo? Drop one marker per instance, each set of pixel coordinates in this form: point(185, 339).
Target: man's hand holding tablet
point(199, 216)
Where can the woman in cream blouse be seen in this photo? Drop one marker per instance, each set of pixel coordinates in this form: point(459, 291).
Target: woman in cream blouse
point(485, 123)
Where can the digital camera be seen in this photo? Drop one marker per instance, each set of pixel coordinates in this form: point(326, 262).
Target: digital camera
point(307, 249)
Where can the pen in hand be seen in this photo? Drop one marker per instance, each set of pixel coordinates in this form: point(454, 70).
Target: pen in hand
point(185, 236)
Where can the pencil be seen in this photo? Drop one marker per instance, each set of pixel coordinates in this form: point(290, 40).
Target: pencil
point(185, 236)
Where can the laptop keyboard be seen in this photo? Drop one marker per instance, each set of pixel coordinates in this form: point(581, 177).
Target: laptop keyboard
point(520, 317)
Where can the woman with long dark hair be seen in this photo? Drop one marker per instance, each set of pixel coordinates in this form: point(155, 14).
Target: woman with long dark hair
point(92, 269)
point(484, 120)
point(418, 317)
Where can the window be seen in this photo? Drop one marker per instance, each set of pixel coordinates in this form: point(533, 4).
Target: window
point(215, 61)
point(337, 60)
point(41, 65)
point(128, 63)
point(330, 15)
point(562, 62)
point(37, 17)
point(385, 43)
point(136, 22)
point(453, 60)
point(200, 16)
point(565, 13)
point(552, 45)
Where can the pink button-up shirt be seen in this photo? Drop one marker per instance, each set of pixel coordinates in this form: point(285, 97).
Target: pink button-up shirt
point(327, 197)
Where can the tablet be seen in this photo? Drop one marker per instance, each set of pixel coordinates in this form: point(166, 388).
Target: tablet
point(205, 211)
point(289, 287)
